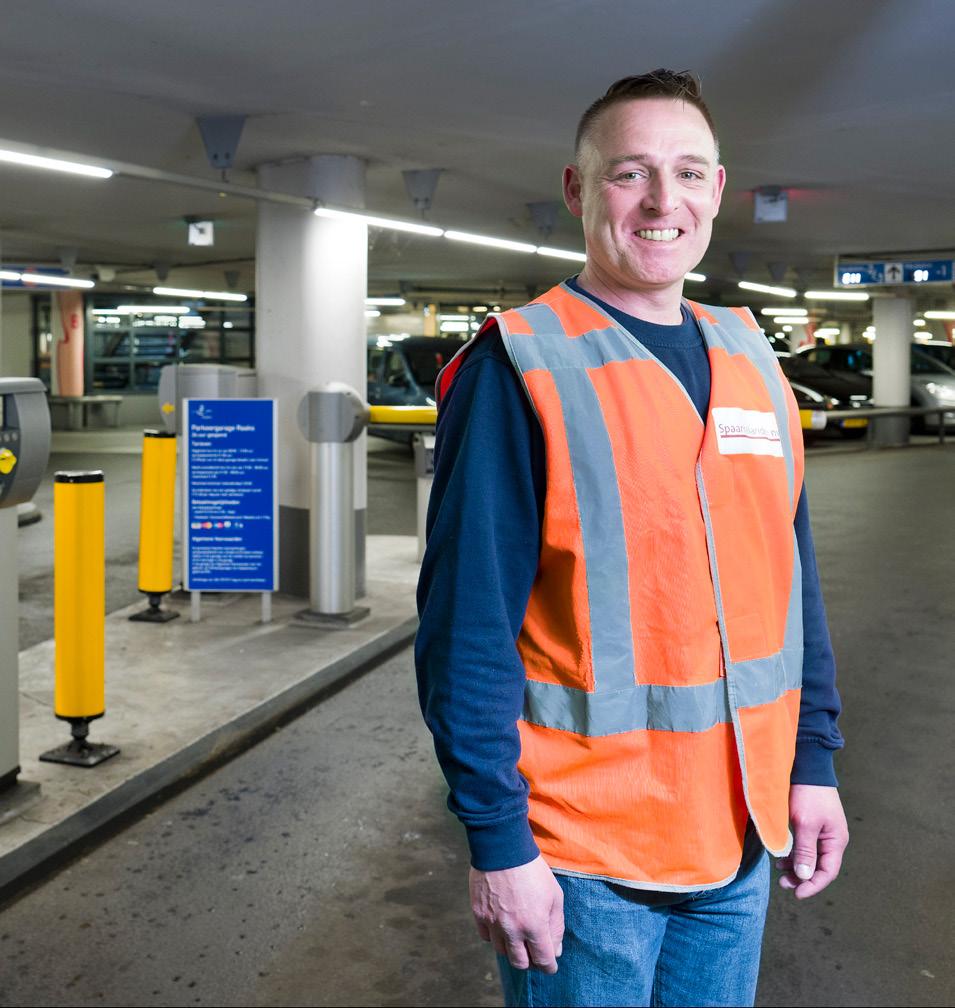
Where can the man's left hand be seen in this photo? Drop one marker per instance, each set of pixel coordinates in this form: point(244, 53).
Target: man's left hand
point(820, 835)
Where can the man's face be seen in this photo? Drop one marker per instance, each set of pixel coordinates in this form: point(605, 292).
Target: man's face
point(647, 187)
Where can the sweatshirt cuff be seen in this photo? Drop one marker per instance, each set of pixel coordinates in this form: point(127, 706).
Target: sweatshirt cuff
point(813, 764)
point(502, 845)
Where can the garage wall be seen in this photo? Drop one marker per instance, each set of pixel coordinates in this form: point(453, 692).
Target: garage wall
point(16, 351)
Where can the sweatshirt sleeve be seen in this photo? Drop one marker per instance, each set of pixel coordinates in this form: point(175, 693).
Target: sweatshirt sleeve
point(818, 736)
point(484, 521)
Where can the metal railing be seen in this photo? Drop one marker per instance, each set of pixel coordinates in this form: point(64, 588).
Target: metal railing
point(892, 411)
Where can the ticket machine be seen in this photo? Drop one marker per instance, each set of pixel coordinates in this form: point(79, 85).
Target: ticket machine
point(24, 453)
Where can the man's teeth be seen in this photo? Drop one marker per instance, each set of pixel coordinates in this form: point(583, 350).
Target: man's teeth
point(654, 235)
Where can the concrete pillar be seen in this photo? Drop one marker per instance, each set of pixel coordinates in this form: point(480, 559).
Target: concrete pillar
point(845, 333)
point(892, 369)
point(311, 284)
point(797, 337)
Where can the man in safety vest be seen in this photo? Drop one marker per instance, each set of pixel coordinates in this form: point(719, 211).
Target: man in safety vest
point(623, 653)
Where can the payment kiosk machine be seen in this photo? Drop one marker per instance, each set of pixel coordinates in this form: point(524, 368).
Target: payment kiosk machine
point(24, 452)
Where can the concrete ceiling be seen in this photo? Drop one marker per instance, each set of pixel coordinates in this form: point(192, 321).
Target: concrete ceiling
point(846, 104)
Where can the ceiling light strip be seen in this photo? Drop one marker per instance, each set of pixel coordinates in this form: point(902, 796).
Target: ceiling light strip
point(766, 289)
point(56, 281)
point(834, 295)
point(25, 160)
point(210, 295)
point(501, 243)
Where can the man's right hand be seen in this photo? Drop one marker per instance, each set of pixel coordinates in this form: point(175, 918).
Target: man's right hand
point(520, 911)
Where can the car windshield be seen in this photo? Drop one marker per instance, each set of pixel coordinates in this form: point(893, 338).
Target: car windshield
point(425, 362)
point(943, 352)
point(922, 363)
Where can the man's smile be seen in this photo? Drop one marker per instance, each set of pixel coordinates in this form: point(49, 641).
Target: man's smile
point(657, 234)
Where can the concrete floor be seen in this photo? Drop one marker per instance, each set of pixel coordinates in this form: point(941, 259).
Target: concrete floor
point(321, 867)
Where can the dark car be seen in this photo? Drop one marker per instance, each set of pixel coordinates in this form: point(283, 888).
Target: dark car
point(402, 372)
point(819, 389)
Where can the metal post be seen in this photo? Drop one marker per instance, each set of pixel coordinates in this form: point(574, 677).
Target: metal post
point(331, 419)
point(332, 526)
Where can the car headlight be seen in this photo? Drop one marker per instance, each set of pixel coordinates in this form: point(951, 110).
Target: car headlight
point(943, 393)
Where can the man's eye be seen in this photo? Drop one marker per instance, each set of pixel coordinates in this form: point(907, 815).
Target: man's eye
point(629, 176)
point(691, 175)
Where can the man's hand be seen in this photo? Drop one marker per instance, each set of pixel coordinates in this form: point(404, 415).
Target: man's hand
point(820, 835)
point(520, 911)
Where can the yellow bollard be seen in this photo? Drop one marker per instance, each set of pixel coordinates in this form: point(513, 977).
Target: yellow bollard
point(156, 523)
point(79, 612)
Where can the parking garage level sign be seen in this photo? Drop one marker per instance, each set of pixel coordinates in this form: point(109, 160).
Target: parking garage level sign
point(230, 498)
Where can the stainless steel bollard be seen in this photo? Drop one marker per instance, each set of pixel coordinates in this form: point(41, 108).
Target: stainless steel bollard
point(332, 418)
point(424, 470)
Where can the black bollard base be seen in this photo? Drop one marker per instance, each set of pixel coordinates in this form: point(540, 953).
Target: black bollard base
point(79, 751)
point(328, 621)
point(154, 614)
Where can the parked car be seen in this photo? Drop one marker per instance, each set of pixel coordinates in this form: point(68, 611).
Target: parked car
point(817, 388)
point(940, 350)
point(932, 383)
point(402, 372)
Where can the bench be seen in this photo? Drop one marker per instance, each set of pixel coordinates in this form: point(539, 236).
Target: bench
point(77, 410)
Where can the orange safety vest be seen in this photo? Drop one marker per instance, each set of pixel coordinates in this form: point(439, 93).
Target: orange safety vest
point(663, 636)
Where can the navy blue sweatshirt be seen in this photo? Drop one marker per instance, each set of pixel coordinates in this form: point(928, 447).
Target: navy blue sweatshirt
point(484, 536)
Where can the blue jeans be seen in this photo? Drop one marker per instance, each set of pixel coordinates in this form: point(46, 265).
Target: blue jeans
point(628, 947)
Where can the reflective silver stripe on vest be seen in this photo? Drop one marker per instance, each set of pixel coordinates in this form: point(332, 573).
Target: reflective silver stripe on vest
point(598, 500)
point(660, 708)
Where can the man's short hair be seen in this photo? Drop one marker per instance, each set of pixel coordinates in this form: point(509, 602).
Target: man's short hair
point(680, 85)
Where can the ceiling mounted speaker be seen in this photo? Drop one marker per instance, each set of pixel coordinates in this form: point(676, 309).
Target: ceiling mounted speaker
point(420, 184)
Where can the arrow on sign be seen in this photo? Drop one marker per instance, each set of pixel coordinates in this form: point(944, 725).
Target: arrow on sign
point(893, 273)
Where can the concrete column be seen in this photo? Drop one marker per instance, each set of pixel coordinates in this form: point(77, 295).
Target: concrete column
point(311, 284)
point(797, 337)
point(845, 333)
point(891, 355)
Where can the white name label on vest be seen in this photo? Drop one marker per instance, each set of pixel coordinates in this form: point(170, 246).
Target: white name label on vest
point(746, 432)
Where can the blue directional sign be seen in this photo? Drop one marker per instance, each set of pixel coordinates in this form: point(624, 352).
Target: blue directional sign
point(893, 271)
point(230, 531)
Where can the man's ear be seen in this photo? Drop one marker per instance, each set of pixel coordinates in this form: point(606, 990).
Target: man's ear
point(720, 184)
point(572, 190)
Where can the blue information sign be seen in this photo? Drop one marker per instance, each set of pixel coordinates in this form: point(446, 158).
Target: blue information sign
point(231, 499)
point(894, 271)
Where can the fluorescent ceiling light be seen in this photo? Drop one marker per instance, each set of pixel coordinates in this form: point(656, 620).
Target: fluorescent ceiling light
point(766, 289)
point(787, 328)
point(920, 322)
point(385, 302)
point(372, 313)
point(826, 332)
point(453, 318)
point(834, 295)
point(939, 314)
point(454, 327)
point(502, 243)
point(53, 164)
point(211, 295)
point(9, 275)
point(479, 308)
point(562, 254)
point(699, 277)
point(782, 311)
point(150, 309)
point(55, 281)
point(381, 222)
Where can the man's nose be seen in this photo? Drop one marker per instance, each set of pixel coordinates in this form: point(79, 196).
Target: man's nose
point(661, 195)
